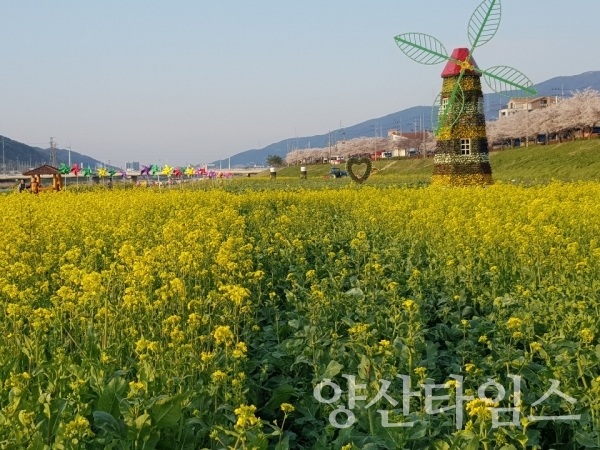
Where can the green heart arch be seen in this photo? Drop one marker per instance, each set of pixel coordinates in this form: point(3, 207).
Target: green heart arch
point(359, 178)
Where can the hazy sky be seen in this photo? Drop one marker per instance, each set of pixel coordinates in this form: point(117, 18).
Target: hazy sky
point(190, 81)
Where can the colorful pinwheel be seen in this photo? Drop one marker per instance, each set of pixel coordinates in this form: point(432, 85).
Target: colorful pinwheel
point(102, 172)
point(64, 169)
point(189, 171)
point(87, 172)
point(76, 169)
point(154, 169)
point(145, 170)
point(111, 173)
point(177, 172)
point(123, 173)
point(167, 170)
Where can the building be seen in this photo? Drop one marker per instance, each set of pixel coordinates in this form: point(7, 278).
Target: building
point(406, 144)
point(526, 104)
point(135, 165)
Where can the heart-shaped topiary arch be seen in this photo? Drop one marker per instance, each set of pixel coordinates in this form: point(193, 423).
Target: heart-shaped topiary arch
point(355, 161)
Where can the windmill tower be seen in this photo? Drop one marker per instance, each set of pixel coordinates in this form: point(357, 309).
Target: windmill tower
point(462, 157)
point(462, 148)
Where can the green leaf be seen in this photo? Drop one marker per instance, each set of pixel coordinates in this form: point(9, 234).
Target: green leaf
point(166, 412)
point(333, 368)
point(473, 444)
point(586, 440)
point(364, 368)
point(109, 424)
point(256, 441)
point(111, 395)
point(284, 444)
point(281, 394)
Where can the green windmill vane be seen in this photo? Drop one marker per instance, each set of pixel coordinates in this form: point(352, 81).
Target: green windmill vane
point(462, 156)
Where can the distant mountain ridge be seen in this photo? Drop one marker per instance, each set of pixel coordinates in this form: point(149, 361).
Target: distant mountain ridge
point(406, 120)
point(17, 156)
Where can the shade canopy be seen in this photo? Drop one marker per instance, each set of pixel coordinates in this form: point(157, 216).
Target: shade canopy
point(42, 170)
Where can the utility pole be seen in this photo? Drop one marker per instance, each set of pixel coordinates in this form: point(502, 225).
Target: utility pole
point(329, 144)
point(69, 154)
point(53, 161)
point(3, 161)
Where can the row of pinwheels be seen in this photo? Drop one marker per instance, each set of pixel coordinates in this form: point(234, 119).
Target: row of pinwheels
point(177, 172)
point(151, 170)
point(64, 169)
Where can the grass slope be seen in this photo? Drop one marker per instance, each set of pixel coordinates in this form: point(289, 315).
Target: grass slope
point(569, 161)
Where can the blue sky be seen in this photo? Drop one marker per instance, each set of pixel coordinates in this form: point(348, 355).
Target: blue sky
point(191, 81)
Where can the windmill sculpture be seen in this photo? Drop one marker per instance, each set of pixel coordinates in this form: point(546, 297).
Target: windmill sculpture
point(462, 148)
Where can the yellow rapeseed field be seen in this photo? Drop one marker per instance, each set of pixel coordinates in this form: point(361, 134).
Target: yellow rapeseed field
point(141, 319)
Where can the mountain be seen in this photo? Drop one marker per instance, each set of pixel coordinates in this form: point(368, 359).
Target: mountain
point(406, 120)
point(18, 156)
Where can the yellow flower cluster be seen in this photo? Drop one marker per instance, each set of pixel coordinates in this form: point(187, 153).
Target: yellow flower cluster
point(477, 179)
point(201, 297)
point(480, 408)
point(246, 417)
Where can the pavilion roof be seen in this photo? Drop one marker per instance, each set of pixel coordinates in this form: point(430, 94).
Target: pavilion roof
point(42, 170)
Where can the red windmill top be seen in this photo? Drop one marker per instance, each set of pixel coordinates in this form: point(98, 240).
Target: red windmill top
point(453, 70)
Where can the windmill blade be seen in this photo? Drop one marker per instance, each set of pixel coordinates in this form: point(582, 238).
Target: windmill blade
point(484, 23)
point(508, 82)
point(422, 48)
point(457, 109)
point(454, 107)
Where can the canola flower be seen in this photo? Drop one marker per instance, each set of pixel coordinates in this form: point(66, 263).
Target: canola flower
point(191, 301)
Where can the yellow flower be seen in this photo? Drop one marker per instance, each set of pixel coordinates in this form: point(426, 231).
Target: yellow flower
point(483, 339)
point(287, 408)
point(535, 346)
point(421, 371)
point(587, 335)
point(223, 335)
point(218, 376)
point(359, 328)
point(469, 367)
point(240, 350)
point(245, 417)
point(480, 408)
point(514, 322)
point(410, 305)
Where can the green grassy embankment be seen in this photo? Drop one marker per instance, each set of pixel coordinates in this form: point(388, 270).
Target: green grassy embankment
point(569, 161)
